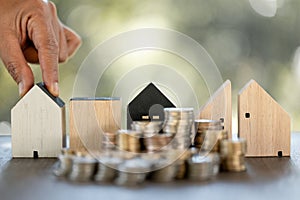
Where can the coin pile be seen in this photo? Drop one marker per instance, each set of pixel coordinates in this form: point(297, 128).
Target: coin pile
point(182, 164)
point(215, 157)
point(132, 172)
point(65, 162)
point(200, 168)
point(178, 122)
point(83, 168)
point(107, 169)
point(233, 155)
point(129, 140)
point(201, 128)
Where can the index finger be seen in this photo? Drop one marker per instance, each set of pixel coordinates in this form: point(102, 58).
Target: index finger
point(43, 37)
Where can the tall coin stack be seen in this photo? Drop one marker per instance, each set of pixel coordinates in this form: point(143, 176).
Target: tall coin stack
point(233, 155)
point(204, 133)
point(178, 122)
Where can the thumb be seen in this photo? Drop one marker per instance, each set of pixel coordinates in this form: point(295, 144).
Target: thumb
point(13, 59)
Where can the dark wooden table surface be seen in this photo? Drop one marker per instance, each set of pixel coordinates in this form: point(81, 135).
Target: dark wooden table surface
point(265, 178)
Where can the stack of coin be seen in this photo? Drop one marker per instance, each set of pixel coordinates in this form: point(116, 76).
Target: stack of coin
point(215, 157)
point(107, 169)
point(129, 140)
point(178, 121)
point(165, 172)
point(202, 125)
point(157, 142)
point(83, 168)
point(182, 165)
point(212, 140)
point(200, 168)
point(146, 127)
point(109, 141)
point(132, 172)
point(65, 162)
point(233, 155)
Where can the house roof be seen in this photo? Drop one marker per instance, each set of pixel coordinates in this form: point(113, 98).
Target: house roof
point(57, 100)
point(253, 85)
point(149, 96)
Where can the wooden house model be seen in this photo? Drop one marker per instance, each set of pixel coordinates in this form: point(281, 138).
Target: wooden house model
point(219, 107)
point(38, 124)
point(263, 123)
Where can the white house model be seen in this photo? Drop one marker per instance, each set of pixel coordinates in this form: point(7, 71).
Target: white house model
point(38, 124)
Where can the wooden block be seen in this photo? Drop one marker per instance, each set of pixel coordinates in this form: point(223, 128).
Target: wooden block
point(38, 124)
point(219, 106)
point(263, 122)
point(90, 118)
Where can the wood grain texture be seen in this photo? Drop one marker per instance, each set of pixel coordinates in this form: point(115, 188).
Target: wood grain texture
point(220, 106)
point(263, 122)
point(38, 124)
point(89, 119)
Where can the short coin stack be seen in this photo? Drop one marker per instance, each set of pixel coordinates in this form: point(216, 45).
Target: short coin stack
point(152, 139)
point(132, 172)
point(233, 155)
point(165, 172)
point(202, 136)
point(83, 168)
point(107, 169)
point(178, 122)
point(109, 141)
point(200, 168)
point(157, 142)
point(65, 162)
point(129, 140)
point(212, 140)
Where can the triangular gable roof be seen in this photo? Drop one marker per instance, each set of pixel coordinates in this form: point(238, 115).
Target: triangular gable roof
point(253, 84)
point(58, 101)
point(149, 96)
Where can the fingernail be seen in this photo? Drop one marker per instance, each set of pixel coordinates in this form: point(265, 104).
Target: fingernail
point(21, 89)
point(55, 89)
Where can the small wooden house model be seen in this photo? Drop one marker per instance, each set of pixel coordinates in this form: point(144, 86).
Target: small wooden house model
point(219, 107)
point(38, 124)
point(263, 122)
point(148, 105)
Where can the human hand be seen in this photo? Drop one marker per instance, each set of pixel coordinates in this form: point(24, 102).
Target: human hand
point(30, 32)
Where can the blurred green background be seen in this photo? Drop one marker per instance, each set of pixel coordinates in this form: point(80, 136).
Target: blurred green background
point(247, 39)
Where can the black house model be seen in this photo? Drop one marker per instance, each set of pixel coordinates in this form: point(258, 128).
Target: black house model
point(148, 105)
